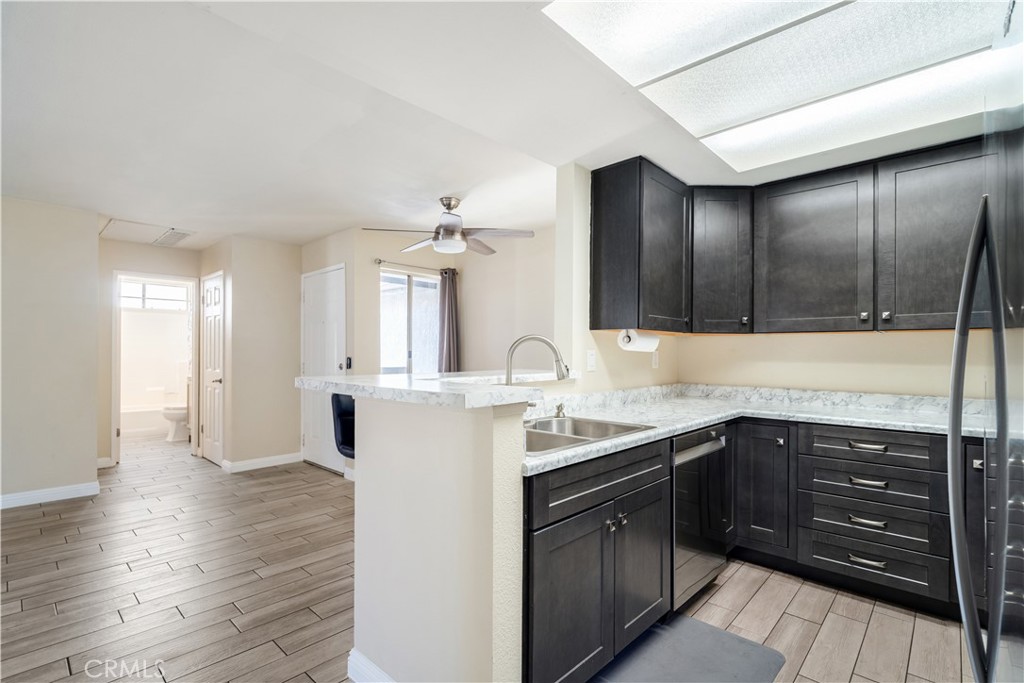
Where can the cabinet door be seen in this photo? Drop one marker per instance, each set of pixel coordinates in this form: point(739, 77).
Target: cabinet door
point(814, 253)
point(570, 628)
point(643, 560)
point(763, 482)
point(664, 251)
point(927, 206)
point(722, 259)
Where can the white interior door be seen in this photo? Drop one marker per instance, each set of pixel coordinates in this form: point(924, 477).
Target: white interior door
point(211, 426)
point(323, 353)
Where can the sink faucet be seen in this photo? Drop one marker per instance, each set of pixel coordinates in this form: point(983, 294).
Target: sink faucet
point(561, 369)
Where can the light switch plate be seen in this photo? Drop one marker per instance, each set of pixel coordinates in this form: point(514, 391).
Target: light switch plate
point(591, 360)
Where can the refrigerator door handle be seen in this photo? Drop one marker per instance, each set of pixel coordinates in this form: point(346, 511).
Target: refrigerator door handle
point(957, 523)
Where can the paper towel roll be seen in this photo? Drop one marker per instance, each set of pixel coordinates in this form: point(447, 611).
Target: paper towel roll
point(631, 340)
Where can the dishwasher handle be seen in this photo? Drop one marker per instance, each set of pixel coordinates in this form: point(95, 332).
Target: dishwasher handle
point(698, 451)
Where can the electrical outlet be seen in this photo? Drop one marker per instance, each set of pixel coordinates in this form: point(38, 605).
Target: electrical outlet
point(654, 359)
point(591, 360)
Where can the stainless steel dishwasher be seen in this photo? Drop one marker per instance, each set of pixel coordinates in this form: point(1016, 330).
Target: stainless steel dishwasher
point(699, 550)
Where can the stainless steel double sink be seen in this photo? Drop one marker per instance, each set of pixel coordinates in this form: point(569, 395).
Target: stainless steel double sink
point(546, 435)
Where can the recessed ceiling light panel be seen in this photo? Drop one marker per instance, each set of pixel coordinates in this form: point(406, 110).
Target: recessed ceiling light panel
point(844, 49)
point(949, 91)
point(645, 40)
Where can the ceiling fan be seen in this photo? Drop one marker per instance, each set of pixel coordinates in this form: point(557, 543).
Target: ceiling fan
point(449, 237)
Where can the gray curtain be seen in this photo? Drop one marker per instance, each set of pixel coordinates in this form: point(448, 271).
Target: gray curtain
point(448, 341)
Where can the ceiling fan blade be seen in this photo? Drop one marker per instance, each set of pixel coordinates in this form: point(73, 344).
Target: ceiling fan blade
point(497, 232)
point(395, 230)
point(479, 247)
point(418, 245)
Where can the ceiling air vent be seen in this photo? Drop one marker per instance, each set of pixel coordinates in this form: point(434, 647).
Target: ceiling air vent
point(171, 237)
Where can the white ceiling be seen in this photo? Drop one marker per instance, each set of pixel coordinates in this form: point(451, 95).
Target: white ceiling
point(291, 121)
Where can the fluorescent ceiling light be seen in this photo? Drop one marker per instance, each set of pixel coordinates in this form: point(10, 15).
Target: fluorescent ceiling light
point(952, 90)
point(847, 48)
point(645, 40)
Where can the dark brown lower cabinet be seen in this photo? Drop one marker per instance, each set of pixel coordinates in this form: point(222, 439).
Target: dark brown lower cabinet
point(571, 632)
point(597, 581)
point(642, 561)
point(764, 476)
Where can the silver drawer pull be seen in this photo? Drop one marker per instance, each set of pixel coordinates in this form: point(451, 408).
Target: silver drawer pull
point(873, 447)
point(870, 483)
point(872, 564)
point(610, 524)
point(869, 523)
point(978, 464)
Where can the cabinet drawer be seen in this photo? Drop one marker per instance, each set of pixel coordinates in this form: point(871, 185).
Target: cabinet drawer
point(877, 483)
point(917, 530)
point(560, 493)
point(887, 566)
point(901, 449)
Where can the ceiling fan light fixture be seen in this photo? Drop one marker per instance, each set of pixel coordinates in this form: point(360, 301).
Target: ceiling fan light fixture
point(448, 242)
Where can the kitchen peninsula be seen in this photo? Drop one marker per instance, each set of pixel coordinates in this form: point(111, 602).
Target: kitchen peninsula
point(439, 511)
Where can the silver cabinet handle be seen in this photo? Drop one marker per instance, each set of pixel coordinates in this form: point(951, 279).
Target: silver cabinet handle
point(779, 441)
point(872, 564)
point(870, 483)
point(873, 447)
point(869, 523)
point(611, 525)
point(886, 315)
point(978, 464)
point(864, 315)
point(745, 320)
point(623, 520)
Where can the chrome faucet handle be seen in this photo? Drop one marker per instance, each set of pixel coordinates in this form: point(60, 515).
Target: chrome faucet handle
point(560, 410)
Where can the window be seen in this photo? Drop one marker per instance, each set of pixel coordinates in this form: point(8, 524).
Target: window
point(409, 319)
point(154, 295)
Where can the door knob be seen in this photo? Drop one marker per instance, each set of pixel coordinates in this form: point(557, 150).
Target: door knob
point(341, 365)
point(218, 381)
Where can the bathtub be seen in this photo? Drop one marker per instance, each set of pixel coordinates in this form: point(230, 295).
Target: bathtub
point(143, 421)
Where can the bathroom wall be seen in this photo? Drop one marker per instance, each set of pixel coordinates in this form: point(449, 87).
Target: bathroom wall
point(155, 350)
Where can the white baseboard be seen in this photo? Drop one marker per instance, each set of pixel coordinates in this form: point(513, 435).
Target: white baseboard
point(260, 463)
point(13, 500)
point(104, 462)
point(362, 670)
point(349, 473)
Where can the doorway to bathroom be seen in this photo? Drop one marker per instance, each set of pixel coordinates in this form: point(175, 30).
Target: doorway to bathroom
point(153, 388)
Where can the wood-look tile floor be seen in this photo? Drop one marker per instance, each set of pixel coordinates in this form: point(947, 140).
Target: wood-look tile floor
point(831, 636)
point(178, 571)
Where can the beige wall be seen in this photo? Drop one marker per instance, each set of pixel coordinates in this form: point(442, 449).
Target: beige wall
point(50, 257)
point(357, 249)
point(889, 363)
point(261, 345)
point(265, 303)
point(503, 297)
point(114, 256)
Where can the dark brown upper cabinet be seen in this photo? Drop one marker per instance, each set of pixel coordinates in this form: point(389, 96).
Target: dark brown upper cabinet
point(640, 248)
point(723, 271)
point(927, 206)
point(814, 253)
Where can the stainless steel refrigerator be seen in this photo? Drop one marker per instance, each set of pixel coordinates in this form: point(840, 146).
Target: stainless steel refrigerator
point(991, 588)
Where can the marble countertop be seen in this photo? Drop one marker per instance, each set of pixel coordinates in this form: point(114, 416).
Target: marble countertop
point(464, 390)
point(681, 408)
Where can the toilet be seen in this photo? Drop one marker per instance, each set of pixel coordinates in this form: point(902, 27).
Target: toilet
point(178, 417)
